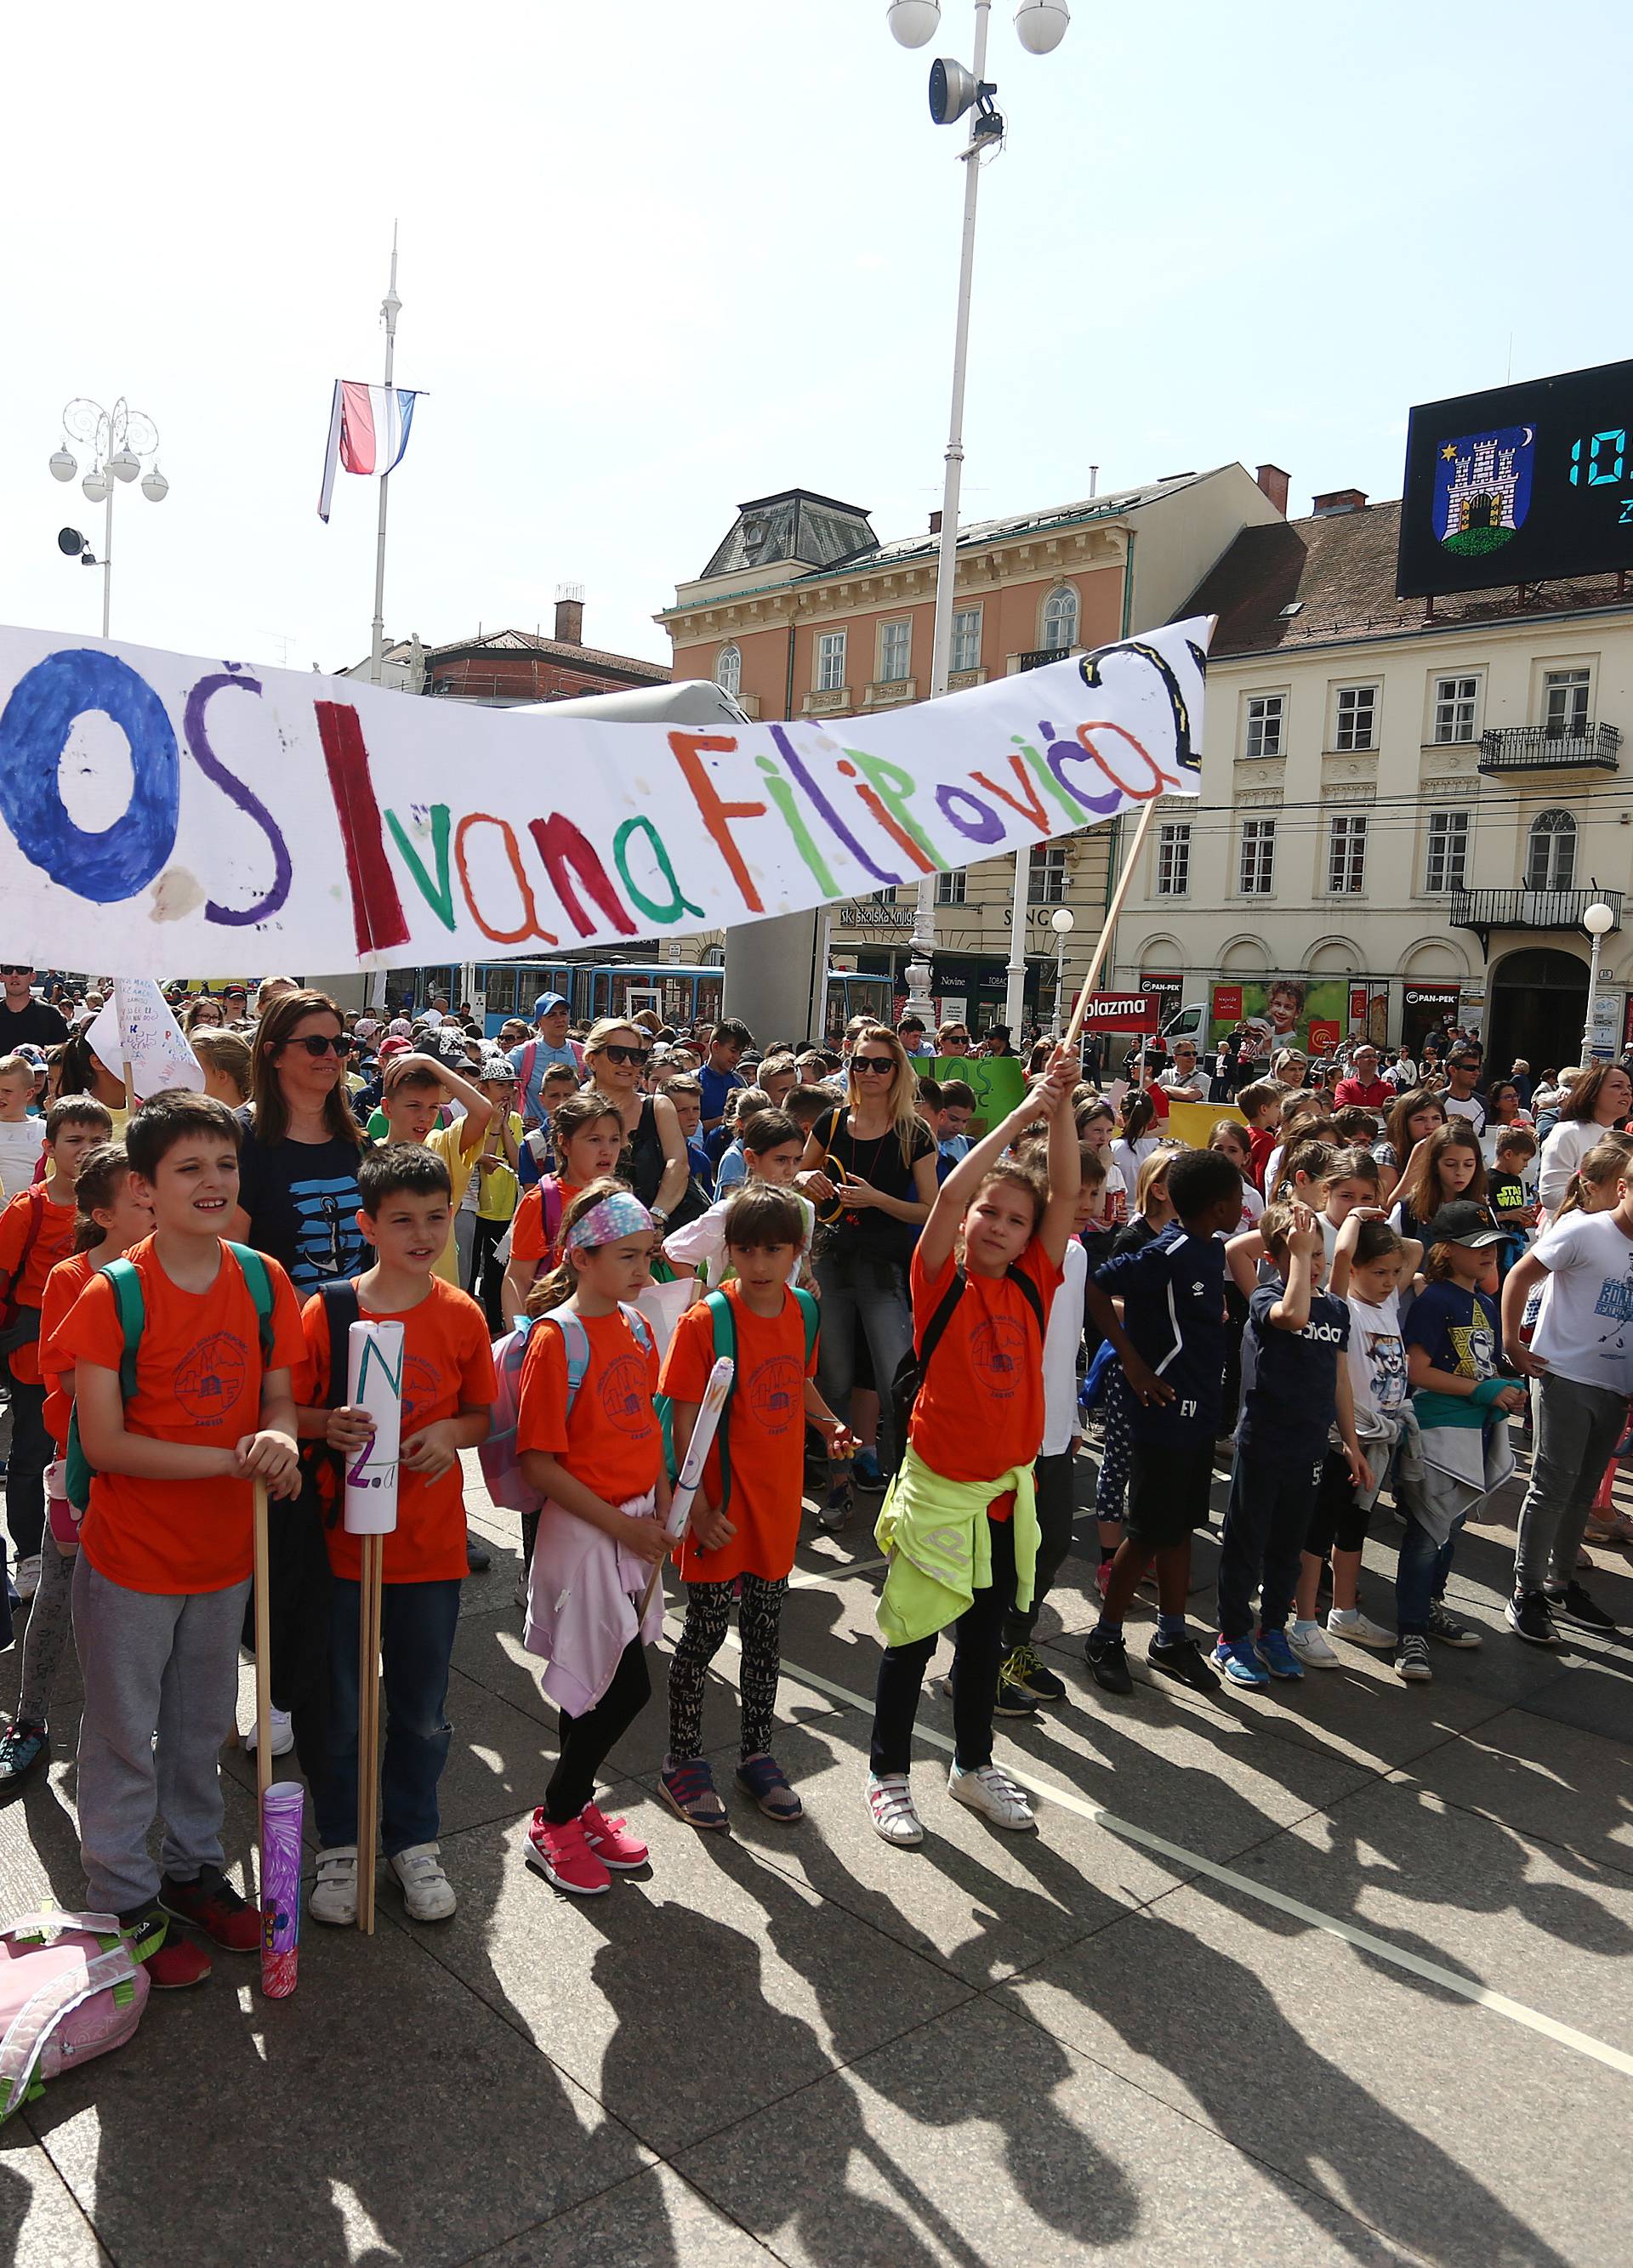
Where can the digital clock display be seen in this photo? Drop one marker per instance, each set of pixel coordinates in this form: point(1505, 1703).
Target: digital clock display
point(1522, 485)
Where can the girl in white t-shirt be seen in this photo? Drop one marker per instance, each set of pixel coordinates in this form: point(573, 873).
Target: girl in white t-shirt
point(1137, 1141)
point(1230, 1138)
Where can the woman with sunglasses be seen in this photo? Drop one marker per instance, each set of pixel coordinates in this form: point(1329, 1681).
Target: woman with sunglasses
point(869, 1166)
point(616, 1055)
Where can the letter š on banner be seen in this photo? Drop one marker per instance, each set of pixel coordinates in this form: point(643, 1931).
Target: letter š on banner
point(336, 824)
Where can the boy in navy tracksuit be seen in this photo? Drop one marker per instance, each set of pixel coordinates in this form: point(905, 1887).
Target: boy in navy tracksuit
point(1300, 1383)
point(1171, 1339)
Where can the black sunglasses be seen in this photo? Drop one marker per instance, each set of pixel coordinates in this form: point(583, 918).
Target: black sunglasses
point(617, 1052)
point(319, 1043)
point(10, 969)
point(883, 1066)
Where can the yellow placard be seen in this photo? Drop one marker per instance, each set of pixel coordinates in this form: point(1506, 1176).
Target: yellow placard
point(1193, 1123)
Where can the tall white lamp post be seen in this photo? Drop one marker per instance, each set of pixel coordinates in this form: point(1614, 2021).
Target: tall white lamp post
point(1062, 921)
point(119, 438)
point(1041, 26)
point(1597, 920)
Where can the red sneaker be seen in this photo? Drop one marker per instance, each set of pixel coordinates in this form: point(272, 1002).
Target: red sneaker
point(172, 1962)
point(212, 1905)
point(611, 1841)
point(563, 1856)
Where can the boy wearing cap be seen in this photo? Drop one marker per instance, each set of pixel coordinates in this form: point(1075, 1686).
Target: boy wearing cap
point(549, 1045)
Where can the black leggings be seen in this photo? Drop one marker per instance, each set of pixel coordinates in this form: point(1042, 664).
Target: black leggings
point(1338, 1520)
point(978, 1649)
point(587, 1741)
point(760, 1625)
point(30, 1454)
point(1055, 1479)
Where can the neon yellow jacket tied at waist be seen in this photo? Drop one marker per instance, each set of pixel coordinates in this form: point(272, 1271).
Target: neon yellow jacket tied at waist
point(939, 1542)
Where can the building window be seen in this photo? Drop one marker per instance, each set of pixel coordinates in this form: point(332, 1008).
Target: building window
point(1173, 859)
point(1446, 867)
point(1346, 856)
point(831, 662)
point(949, 888)
point(1454, 709)
point(728, 670)
point(1551, 860)
point(1048, 873)
point(966, 637)
point(1565, 704)
point(1357, 717)
point(1060, 620)
point(1258, 867)
point(895, 646)
point(1266, 714)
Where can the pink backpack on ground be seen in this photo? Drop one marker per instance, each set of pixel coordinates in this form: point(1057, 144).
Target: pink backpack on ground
point(71, 1987)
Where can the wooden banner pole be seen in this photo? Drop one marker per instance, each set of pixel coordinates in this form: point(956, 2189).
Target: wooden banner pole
point(1111, 912)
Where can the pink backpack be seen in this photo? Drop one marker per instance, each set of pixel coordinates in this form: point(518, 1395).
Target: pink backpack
point(71, 1987)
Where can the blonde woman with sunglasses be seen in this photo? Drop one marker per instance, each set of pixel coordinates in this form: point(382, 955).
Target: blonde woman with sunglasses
point(870, 1168)
point(616, 1056)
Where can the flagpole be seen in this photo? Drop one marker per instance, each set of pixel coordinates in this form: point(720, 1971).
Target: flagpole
point(391, 306)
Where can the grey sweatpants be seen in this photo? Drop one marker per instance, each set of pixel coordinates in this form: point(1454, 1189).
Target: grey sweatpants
point(152, 1663)
point(1576, 1429)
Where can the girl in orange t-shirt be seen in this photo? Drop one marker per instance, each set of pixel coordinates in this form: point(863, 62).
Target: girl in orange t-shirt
point(110, 1219)
point(589, 1141)
point(978, 1417)
point(588, 1438)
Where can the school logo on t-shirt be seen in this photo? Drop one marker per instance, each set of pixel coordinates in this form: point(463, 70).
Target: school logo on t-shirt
point(625, 1396)
point(776, 1394)
point(998, 1350)
point(212, 1375)
point(422, 1383)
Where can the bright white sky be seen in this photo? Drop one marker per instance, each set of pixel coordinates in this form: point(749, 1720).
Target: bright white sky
point(662, 255)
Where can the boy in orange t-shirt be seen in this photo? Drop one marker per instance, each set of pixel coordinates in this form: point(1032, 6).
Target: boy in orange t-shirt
point(753, 1536)
point(36, 1231)
point(448, 1389)
point(166, 1544)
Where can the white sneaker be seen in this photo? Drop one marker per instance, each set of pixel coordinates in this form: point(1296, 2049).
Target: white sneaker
point(282, 1733)
point(335, 1894)
point(1310, 1647)
point(890, 1803)
point(29, 1577)
point(427, 1892)
point(990, 1790)
point(1360, 1630)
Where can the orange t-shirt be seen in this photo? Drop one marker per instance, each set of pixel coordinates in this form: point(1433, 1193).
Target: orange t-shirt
point(447, 1366)
point(198, 1384)
point(53, 1242)
point(609, 1440)
point(527, 1241)
point(67, 1280)
point(981, 1406)
point(766, 1413)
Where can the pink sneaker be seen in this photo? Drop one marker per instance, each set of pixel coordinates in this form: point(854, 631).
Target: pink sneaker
point(611, 1841)
point(563, 1856)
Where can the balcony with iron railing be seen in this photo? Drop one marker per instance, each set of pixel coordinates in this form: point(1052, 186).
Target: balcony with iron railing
point(1485, 911)
point(1550, 748)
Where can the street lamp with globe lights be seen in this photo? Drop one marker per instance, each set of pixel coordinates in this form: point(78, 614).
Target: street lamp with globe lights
point(1598, 920)
point(1062, 921)
point(119, 438)
point(1041, 26)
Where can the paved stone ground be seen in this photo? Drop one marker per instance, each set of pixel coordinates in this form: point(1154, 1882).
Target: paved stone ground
point(798, 2045)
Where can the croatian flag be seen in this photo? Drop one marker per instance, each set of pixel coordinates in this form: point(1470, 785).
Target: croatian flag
point(368, 431)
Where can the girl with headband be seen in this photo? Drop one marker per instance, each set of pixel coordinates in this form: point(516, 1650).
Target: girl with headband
point(588, 1438)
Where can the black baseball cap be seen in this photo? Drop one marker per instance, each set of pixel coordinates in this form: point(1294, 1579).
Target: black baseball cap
point(1465, 1222)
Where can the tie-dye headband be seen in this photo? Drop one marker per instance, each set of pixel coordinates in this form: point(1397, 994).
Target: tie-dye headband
point(614, 1217)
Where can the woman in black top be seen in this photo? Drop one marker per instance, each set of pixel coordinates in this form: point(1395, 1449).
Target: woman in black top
point(870, 1168)
point(655, 1163)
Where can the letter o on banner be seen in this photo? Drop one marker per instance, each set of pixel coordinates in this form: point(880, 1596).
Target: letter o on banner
point(983, 827)
point(35, 728)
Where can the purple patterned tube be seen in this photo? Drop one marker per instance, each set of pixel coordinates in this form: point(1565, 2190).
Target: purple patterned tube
point(282, 1809)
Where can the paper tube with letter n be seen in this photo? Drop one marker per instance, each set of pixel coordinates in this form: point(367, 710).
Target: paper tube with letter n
point(374, 1383)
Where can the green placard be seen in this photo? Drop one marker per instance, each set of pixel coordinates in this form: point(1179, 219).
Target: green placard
point(999, 1081)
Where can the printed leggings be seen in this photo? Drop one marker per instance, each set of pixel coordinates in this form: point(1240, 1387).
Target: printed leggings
point(759, 1626)
point(1110, 1494)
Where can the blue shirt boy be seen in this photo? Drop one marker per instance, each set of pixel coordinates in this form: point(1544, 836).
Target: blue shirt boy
point(1292, 1399)
point(1172, 1290)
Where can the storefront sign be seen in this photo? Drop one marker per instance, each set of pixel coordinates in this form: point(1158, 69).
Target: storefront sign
point(1122, 1011)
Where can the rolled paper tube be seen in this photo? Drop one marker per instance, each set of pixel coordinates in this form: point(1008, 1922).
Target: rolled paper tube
point(281, 1812)
point(374, 1383)
point(691, 1474)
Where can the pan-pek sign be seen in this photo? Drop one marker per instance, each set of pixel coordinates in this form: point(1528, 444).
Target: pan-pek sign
point(158, 813)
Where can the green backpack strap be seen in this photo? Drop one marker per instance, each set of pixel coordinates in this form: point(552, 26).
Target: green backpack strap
point(131, 1309)
point(725, 1343)
point(810, 1311)
point(259, 1282)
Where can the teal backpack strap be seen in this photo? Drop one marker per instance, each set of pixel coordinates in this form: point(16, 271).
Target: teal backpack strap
point(575, 1338)
point(808, 1309)
point(725, 1343)
point(260, 1285)
point(132, 1308)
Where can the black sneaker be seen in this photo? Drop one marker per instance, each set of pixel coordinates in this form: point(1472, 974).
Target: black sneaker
point(1108, 1658)
point(23, 1746)
point(1578, 1606)
point(1527, 1613)
point(1013, 1700)
point(1183, 1658)
point(478, 1558)
point(1024, 1669)
point(1448, 1629)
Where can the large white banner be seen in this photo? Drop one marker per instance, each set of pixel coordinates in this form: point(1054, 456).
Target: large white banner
point(160, 814)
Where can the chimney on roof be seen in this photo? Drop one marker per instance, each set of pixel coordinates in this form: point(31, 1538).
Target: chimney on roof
point(569, 614)
point(1336, 501)
point(1275, 484)
point(935, 523)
